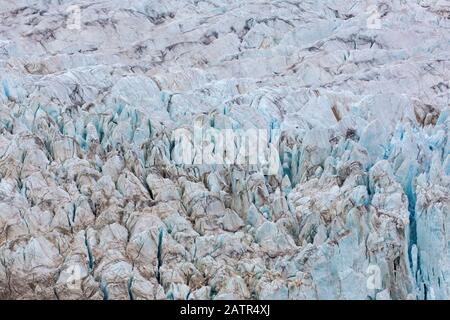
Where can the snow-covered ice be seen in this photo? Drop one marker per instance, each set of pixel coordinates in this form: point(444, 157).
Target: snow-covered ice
point(113, 113)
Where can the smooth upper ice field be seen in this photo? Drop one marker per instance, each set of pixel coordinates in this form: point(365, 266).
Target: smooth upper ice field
point(224, 149)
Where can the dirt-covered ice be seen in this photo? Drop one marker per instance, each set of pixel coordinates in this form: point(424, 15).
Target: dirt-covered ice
point(128, 168)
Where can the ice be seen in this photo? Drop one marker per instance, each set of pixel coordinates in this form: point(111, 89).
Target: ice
point(111, 181)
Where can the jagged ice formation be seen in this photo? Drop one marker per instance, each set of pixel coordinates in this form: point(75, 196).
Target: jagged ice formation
point(354, 95)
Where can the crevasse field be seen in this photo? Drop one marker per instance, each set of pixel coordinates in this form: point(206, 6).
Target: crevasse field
point(224, 149)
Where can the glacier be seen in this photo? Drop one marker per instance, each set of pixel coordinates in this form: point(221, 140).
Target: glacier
point(109, 191)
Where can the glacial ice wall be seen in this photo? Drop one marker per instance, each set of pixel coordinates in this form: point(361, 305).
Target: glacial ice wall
point(95, 202)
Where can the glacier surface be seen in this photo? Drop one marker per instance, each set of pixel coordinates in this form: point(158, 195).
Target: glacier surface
point(100, 200)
